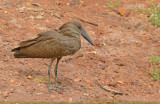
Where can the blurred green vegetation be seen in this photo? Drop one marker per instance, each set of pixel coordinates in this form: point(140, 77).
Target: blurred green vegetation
point(155, 63)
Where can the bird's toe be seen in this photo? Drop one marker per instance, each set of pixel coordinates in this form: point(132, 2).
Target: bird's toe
point(56, 87)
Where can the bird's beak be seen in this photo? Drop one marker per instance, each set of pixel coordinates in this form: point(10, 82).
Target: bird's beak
point(84, 34)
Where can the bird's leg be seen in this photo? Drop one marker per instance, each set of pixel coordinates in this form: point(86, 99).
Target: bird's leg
point(49, 70)
point(55, 71)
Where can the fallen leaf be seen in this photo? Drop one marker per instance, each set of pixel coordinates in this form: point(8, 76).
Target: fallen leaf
point(32, 17)
point(104, 44)
point(57, 15)
point(16, 73)
point(29, 77)
point(70, 99)
point(68, 4)
point(42, 28)
point(36, 4)
point(0, 7)
point(120, 82)
point(106, 87)
point(11, 81)
point(85, 94)
point(77, 79)
point(96, 4)
point(122, 12)
point(53, 96)
point(90, 88)
point(28, 4)
point(6, 93)
point(88, 81)
point(81, 1)
point(39, 17)
point(92, 52)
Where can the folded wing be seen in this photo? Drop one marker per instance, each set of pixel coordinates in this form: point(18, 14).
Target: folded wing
point(46, 45)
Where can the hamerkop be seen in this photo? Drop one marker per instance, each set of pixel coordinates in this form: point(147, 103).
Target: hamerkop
point(54, 44)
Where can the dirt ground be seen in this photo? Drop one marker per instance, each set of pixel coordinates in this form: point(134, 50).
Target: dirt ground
point(124, 42)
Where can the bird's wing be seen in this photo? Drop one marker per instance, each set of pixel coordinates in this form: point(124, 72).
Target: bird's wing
point(46, 45)
point(41, 37)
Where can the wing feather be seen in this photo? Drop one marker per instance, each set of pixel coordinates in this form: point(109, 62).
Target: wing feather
point(41, 37)
point(46, 45)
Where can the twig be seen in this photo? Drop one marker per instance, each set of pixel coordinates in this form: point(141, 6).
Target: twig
point(110, 90)
point(84, 20)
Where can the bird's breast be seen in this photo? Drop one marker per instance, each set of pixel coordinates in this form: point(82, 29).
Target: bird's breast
point(71, 45)
point(70, 39)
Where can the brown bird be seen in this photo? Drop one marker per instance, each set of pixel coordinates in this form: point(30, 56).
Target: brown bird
point(53, 44)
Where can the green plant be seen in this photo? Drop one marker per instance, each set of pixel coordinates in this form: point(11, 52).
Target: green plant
point(155, 62)
point(154, 12)
point(113, 3)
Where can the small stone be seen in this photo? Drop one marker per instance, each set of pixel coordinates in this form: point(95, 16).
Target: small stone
point(113, 83)
point(102, 66)
point(120, 62)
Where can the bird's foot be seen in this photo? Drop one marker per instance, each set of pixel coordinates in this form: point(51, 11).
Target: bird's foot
point(51, 88)
point(55, 88)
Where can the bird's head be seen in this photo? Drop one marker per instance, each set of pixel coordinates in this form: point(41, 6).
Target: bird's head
point(83, 32)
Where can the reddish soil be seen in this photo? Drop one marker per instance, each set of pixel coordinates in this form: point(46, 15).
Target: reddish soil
point(124, 42)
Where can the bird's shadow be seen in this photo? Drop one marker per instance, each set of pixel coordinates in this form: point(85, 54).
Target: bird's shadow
point(42, 77)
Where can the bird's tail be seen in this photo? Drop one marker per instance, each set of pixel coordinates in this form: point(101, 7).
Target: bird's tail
point(17, 53)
